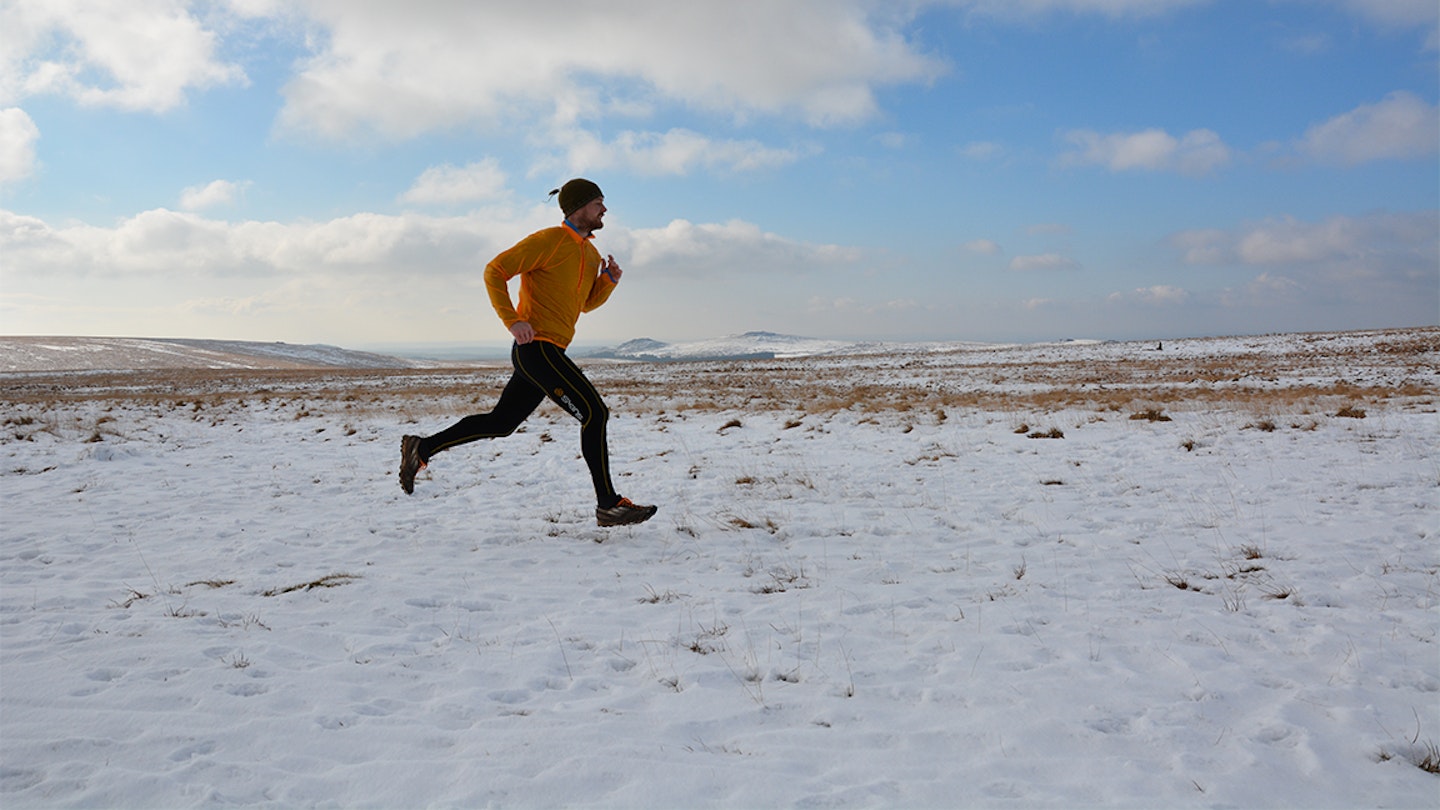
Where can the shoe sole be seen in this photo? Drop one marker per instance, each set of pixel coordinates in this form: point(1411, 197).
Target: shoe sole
point(637, 516)
point(409, 463)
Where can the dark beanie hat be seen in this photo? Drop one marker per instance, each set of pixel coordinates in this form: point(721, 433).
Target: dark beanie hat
point(577, 194)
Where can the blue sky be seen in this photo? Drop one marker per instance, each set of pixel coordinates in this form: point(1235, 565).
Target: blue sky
point(340, 171)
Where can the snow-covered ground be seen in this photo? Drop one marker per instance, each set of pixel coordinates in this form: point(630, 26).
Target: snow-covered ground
point(214, 592)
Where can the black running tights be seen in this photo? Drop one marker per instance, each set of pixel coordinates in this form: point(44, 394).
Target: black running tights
point(541, 370)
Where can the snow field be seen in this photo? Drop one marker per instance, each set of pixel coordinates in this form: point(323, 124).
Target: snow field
point(236, 604)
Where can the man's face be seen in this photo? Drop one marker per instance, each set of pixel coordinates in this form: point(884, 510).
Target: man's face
point(590, 217)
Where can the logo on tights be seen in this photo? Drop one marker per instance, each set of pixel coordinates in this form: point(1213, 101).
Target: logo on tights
point(569, 406)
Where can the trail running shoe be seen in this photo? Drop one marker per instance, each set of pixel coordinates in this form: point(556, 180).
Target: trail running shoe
point(410, 462)
point(624, 513)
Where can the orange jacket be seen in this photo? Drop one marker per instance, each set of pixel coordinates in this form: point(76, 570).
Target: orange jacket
point(560, 278)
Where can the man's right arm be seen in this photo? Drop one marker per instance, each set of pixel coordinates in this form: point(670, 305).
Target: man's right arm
point(527, 253)
point(497, 284)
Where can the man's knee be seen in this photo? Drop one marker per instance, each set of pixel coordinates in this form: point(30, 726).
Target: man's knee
point(585, 409)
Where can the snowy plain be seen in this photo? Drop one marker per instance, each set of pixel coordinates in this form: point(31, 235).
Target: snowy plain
point(1033, 576)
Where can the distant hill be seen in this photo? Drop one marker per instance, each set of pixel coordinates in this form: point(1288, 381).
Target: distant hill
point(43, 354)
point(46, 354)
point(40, 354)
point(747, 346)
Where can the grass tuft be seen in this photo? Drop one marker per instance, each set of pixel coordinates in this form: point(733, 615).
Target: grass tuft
point(1180, 581)
point(1425, 756)
point(653, 597)
point(1429, 758)
point(327, 581)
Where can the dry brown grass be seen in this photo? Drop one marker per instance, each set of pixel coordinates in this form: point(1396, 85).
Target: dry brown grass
point(327, 581)
point(1315, 375)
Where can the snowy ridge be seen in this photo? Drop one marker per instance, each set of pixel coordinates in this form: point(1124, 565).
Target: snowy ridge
point(35, 354)
point(64, 354)
point(746, 346)
point(48, 354)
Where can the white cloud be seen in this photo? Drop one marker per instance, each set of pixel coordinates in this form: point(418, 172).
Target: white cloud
point(893, 140)
point(446, 185)
point(1043, 261)
point(1205, 246)
point(1398, 127)
point(135, 55)
point(441, 65)
point(171, 243)
point(1409, 238)
point(1109, 8)
point(179, 243)
point(18, 135)
point(1162, 294)
point(1198, 152)
point(1386, 261)
point(851, 307)
point(1308, 44)
point(1269, 290)
point(982, 150)
point(1268, 286)
point(726, 250)
point(343, 279)
point(1387, 13)
point(676, 152)
point(210, 195)
point(1396, 13)
point(1289, 241)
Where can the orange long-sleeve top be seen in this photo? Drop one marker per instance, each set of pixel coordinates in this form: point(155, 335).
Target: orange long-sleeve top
point(560, 278)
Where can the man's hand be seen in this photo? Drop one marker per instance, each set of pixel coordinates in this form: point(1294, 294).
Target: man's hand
point(611, 268)
point(523, 332)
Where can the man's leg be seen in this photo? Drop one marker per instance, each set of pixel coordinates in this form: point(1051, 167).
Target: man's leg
point(517, 401)
point(548, 368)
point(563, 381)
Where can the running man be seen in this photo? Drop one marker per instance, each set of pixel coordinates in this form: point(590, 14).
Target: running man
point(561, 275)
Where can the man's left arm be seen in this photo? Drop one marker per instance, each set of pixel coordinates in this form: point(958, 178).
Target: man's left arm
point(611, 268)
point(610, 273)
